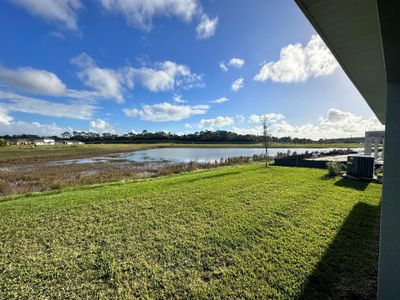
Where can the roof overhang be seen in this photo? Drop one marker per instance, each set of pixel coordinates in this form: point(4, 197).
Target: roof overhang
point(351, 30)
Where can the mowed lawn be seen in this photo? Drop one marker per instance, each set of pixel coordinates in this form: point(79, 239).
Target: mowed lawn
point(234, 232)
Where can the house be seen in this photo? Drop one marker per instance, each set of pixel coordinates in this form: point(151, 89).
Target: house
point(363, 35)
point(23, 142)
point(69, 142)
point(73, 142)
point(44, 141)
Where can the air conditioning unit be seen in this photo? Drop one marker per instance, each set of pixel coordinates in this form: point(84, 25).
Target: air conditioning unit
point(361, 166)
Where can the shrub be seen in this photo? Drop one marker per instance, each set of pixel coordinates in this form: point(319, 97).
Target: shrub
point(3, 143)
point(335, 168)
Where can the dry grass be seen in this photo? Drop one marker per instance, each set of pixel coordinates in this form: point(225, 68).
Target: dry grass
point(43, 176)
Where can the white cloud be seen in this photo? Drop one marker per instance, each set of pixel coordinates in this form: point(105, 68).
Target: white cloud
point(35, 81)
point(240, 118)
point(178, 99)
point(206, 27)
point(141, 12)
point(348, 123)
point(64, 12)
point(272, 117)
point(217, 122)
point(35, 128)
point(163, 112)
point(298, 63)
point(101, 126)
point(237, 62)
point(18, 103)
point(167, 76)
point(57, 35)
point(220, 100)
point(113, 83)
point(32, 80)
point(335, 124)
point(4, 117)
point(188, 126)
point(108, 83)
point(237, 84)
point(223, 66)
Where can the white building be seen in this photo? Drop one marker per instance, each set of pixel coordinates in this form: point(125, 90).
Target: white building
point(376, 139)
point(44, 141)
point(73, 142)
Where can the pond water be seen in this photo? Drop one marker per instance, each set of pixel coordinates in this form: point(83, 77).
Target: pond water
point(177, 155)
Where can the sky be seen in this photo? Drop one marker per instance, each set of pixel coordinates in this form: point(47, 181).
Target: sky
point(179, 66)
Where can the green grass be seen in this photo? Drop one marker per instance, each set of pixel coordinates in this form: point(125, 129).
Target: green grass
point(234, 232)
point(21, 154)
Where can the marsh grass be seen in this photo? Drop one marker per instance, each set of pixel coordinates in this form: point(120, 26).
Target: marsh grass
point(42, 177)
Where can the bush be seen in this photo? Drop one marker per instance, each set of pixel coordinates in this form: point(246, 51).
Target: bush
point(335, 168)
point(3, 143)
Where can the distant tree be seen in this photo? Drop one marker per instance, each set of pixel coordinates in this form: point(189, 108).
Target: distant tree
point(66, 135)
point(266, 138)
point(3, 143)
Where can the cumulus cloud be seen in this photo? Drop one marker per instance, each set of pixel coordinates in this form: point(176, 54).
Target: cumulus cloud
point(35, 81)
point(18, 103)
point(35, 128)
point(141, 12)
point(298, 63)
point(217, 122)
point(108, 83)
point(236, 62)
point(163, 112)
point(178, 99)
point(240, 118)
point(237, 84)
point(167, 76)
point(4, 117)
point(32, 80)
point(206, 27)
point(347, 122)
point(113, 83)
point(220, 100)
point(334, 124)
point(223, 67)
point(272, 117)
point(64, 12)
point(101, 126)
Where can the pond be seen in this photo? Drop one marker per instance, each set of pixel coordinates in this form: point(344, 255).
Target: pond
point(177, 155)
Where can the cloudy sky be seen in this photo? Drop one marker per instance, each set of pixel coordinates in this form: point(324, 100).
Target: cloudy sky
point(172, 65)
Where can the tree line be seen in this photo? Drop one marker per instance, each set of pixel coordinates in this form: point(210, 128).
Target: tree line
point(206, 136)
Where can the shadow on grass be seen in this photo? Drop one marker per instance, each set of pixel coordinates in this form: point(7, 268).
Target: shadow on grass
point(205, 176)
point(348, 269)
point(352, 184)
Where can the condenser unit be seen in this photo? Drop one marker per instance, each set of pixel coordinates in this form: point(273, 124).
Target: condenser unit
point(361, 166)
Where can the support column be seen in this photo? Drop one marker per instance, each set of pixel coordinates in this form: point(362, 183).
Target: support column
point(389, 249)
point(376, 147)
point(367, 146)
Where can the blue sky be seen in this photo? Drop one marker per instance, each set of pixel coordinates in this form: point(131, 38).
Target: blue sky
point(172, 65)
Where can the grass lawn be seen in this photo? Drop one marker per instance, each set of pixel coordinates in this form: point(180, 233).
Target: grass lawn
point(20, 154)
point(234, 232)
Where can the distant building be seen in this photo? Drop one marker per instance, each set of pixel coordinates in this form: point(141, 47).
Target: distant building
point(375, 139)
point(19, 142)
point(24, 142)
point(68, 142)
point(73, 142)
point(44, 141)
